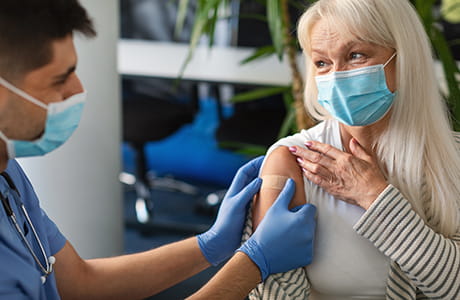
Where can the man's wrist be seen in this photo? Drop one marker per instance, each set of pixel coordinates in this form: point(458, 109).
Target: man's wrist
point(252, 267)
point(234, 280)
point(201, 247)
point(253, 252)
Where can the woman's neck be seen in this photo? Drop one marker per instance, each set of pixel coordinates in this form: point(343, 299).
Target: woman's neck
point(365, 135)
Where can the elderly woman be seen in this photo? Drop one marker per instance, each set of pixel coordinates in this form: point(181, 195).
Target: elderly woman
point(382, 166)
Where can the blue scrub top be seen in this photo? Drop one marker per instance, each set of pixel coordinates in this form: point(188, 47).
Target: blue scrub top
point(19, 273)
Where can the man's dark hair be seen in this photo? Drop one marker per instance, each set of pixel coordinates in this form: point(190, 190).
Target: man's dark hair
point(28, 28)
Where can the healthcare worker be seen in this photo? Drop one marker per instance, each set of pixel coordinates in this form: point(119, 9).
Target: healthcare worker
point(41, 100)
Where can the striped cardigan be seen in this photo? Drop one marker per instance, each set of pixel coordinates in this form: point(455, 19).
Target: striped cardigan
point(424, 264)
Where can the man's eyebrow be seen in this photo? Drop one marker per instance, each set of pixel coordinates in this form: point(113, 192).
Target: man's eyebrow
point(66, 74)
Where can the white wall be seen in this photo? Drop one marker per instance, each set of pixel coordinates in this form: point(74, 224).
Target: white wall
point(78, 183)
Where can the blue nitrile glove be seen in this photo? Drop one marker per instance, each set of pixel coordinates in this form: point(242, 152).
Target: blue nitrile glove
point(284, 239)
point(221, 240)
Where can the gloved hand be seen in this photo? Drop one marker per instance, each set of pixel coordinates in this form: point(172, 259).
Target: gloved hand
point(284, 239)
point(221, 240)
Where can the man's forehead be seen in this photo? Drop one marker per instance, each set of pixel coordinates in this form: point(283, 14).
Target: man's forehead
point(63, 59)
point(64, 54)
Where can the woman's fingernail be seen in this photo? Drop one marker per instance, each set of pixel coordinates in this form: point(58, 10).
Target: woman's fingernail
point(308, 144)
point(299, 160)
point(293, 149)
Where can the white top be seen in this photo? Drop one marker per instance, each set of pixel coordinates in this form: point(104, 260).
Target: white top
point(345, 265)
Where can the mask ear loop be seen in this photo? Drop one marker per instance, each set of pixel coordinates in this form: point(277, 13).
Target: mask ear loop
point(9, 146)
point(388, 61)
point(22, 93)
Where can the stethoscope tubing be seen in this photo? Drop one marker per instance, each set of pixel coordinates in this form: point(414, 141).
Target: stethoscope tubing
point(48, 269)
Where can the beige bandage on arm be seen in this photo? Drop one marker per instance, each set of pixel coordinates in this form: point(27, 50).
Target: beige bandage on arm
point(275, 182)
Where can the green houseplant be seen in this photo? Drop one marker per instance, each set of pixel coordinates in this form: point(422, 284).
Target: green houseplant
point(431, 20)
point(284, 46)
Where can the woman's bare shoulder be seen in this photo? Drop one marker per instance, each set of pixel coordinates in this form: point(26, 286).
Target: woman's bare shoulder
point(280, 160)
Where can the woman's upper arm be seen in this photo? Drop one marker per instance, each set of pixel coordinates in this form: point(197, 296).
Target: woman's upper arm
point(282, 163)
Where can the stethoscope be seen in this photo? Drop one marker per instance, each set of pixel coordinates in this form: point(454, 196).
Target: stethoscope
point(46, 269)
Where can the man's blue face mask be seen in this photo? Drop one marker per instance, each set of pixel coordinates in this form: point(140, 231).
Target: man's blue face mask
point(61, 121)
point(357, 97)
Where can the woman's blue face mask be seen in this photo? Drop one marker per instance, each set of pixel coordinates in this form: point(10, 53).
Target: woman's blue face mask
point(61, 121)
point(357, 97)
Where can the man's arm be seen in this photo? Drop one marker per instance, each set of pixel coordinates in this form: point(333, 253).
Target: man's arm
point(140, 275)
point(234, 281)
point(134, 276)
point(274, 247)
point(148, 273)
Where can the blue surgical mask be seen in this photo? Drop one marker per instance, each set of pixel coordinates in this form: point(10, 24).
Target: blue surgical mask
point(61, 121)
point(357, 97)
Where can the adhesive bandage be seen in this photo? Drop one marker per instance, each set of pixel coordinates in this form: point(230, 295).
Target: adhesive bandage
point(275, 182)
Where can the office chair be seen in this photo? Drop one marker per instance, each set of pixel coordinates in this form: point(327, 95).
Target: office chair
point(151, 108)
point(145, 119)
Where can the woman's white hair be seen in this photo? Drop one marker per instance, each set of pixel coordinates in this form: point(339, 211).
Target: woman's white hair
point(417, 150)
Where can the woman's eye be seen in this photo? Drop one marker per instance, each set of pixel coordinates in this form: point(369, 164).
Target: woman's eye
point(320, 64)
point(356, 55)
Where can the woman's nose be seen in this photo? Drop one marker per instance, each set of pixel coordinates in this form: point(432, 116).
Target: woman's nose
point(339, 67)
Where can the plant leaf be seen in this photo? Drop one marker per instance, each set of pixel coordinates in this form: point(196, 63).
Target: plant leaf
point(298, 5)
point(257, 17)
point(259, 53)
point(211, 26)
point(258, 94)
point(244, 148)
point(289, 123)
point(181, 15)
point(275, 24)
point(454, 42)
point(425, 10)
point(262, 2)
point(449, 9)
point(450, 71)
point(201, 23)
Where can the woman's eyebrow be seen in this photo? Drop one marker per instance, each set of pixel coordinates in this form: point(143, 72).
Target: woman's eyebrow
point(318, 50)
point(343, 47)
